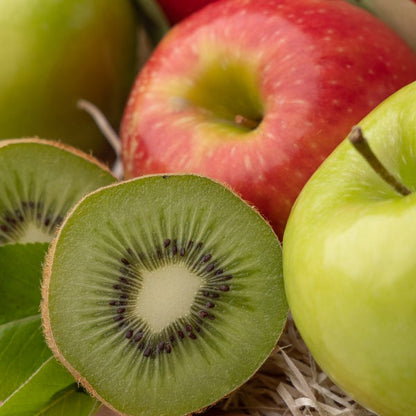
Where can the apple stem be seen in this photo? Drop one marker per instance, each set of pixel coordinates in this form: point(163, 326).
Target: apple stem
point(358, 140)
point(246, 122)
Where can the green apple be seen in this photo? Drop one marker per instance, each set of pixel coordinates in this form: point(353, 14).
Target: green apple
point(350, 266)
point(54, 53)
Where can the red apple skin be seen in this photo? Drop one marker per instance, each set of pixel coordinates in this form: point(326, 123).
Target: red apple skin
point(322, 65)
point(176, 10)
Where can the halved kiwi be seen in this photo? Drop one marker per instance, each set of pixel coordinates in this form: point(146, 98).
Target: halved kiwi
point(163, 294)
point(40, 181)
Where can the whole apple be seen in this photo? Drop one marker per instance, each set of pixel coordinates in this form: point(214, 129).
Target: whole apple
point(257, 94)
point(54, 53)
point(349, 263)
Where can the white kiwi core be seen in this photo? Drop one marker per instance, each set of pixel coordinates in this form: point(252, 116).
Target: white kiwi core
point(34, 234)
point(166, 295)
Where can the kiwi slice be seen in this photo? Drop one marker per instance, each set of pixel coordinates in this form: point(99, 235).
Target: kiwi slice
point(163, 294)
point(40, 181)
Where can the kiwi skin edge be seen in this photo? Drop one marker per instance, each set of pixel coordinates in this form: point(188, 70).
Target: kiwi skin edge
point(46, 323)
point(60, 145)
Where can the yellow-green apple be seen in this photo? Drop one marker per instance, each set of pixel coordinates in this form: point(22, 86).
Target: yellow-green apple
point(257, 93)
point(54, 53)
point(349, 262)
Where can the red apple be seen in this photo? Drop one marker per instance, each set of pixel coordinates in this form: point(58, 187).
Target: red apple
point(257, 93)
point(176, 11)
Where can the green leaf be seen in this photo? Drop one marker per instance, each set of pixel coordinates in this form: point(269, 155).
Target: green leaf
point(22, 346)
point(32, 382)
point(50, 390)
point(22, 351)
point(72, 402)
point(20, 277)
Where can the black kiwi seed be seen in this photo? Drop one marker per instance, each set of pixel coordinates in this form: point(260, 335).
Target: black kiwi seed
point(125, 261)
point(206, 258)
point(148, 352)
point(138, 337)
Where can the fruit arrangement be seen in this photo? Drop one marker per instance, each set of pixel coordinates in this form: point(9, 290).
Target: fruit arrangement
point(250, 251)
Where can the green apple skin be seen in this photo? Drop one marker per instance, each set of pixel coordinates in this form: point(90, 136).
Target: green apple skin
point(54, 53)
point(350, 266)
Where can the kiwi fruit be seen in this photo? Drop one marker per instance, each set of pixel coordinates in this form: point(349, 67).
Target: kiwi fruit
point(163, 294)
point(40, 181)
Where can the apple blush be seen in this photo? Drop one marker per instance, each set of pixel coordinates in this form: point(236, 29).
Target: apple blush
point(256, 94)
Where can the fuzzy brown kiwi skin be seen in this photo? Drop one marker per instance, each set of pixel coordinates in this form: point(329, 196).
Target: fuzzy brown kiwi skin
point(46, 324)
point(59, 145)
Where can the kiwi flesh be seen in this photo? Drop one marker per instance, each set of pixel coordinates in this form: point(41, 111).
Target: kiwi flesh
point(163, 294)
point(40, 181)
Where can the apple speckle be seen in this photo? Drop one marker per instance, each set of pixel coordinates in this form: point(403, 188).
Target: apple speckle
point(178, 103)
point(247, 162)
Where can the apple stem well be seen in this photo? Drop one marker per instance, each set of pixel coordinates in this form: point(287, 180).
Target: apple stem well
point(246, 122)
point(360, 143)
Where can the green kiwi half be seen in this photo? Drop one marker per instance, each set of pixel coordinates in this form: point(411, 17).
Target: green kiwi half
point(163, 294)
point(40, 181)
